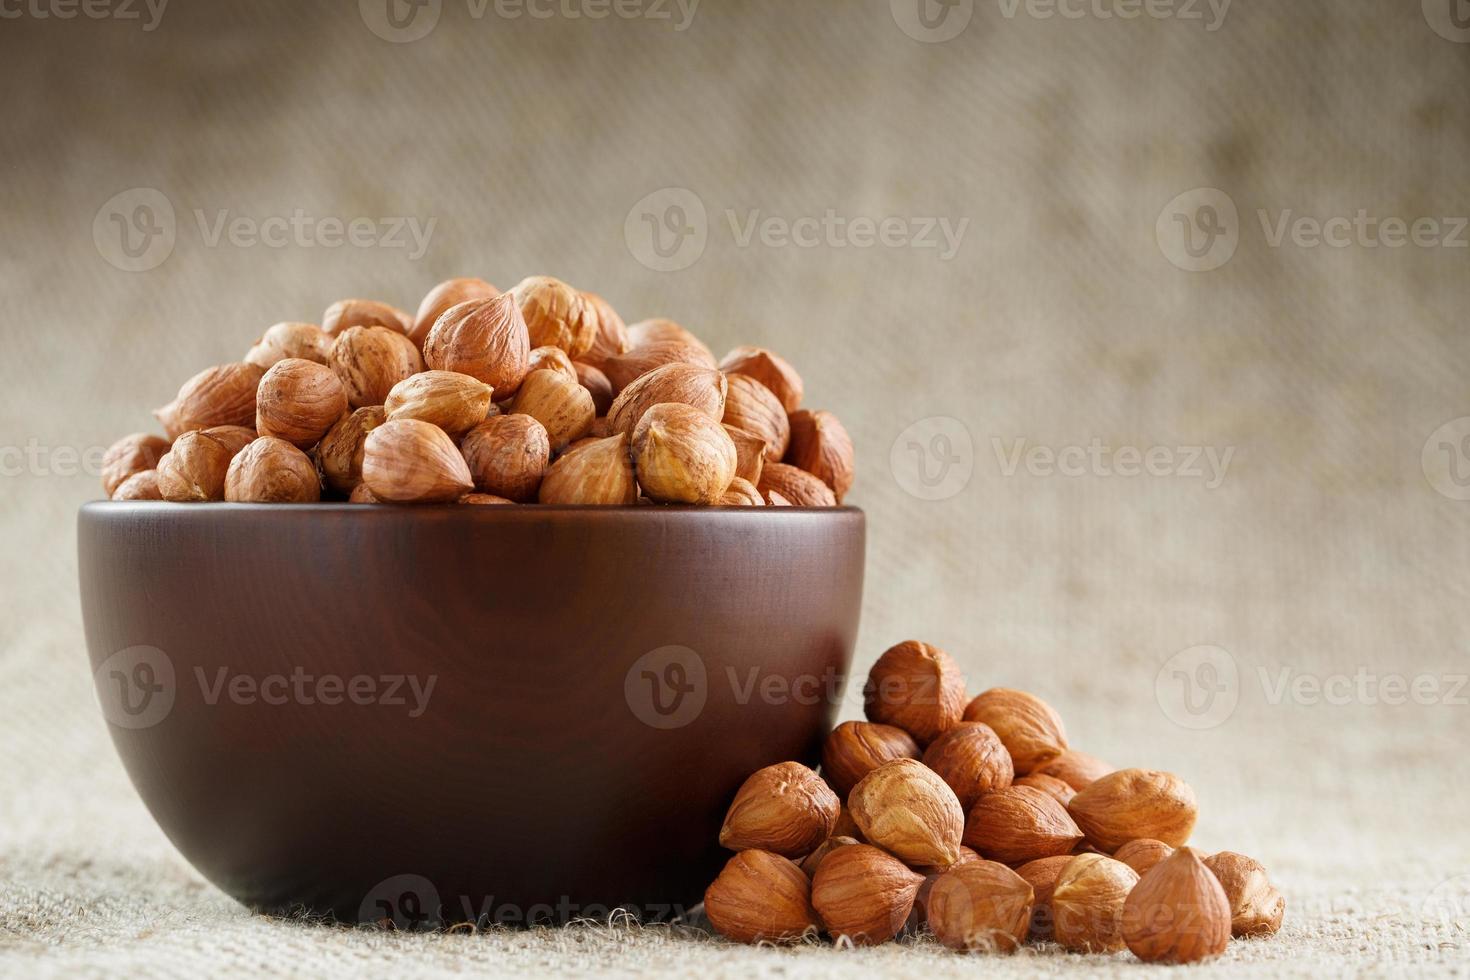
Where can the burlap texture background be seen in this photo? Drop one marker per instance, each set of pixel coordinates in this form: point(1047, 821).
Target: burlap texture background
point(1325, 551)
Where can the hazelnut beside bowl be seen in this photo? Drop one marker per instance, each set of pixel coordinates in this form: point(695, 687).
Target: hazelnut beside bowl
point(437, 714)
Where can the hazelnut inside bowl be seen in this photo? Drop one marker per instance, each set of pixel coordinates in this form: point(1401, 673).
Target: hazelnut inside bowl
point(430, 715)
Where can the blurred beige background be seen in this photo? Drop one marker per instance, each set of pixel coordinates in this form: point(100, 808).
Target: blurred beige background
point(1330, 555)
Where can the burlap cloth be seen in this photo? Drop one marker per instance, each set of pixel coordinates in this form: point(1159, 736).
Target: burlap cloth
point(1325, 551)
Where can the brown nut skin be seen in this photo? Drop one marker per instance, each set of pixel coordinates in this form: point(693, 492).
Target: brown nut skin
point(658, 330)
point(775, 499)
point(556, 314)
point(920, 916)
point(554, 359)
point(1019, 824)
point(795, 485)
point(1031, 730)
point(786, 809)
point(1041, 874)
point(561, 405)
point(1087, 903)
point(770, 370)
point(1177, 913)
point(507, 456)
point(142, 485)
point(611, 338)
point(628, 367)
point(1142, 854)
point(593, 471)
point(741, 493)
point(1133, 803)
point(751, 406)
point(750, 454)
point(698, 387)
point(682, 456)
point(810, 863)
point(454, 402)
point(449, 293)
point(1077, 769)
point(864, 894)
point(290, 339)
point(406, 461)
point(486, 339)
point(972, 760)
point(299, 401)
point(362, 495)
point(348, 313)
point(483, 498)
point(846, 826)
point(1050, 785)
point(760, 897)
point(369, 361)
point(194, 469)
point(223, 395)
point(1256, 907)
point(856, 748)
point(339, 454)
point(820, 445)
point(906, 809)
point(596, 384)
point(980, 906)
point(914, 686)
point(129, 455)
point(272, 471)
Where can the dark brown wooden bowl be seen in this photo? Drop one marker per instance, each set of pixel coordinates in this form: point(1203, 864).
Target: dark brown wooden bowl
point(603, 680)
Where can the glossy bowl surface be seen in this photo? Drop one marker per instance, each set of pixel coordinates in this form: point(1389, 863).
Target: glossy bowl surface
point(446, 714)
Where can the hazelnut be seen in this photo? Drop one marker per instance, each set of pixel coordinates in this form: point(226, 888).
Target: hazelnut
point(483, 498)
point(688, 384)
point(760, 897)
point(563, 406)
point(595, 471)
point(786, 809)
point(741, 493)
point(597, 386)
point(656, 331)
point(345, 314)
point(223, 395)
point(1133, 803)
point(406, 461)
point(194, 469)
point(907, 810)
point(233, 437)
point(507, 456)
point(556, 314)
point(450, 292)
point(774, 499)
point(682, 456)
point(846, 826)
point(129, 455)
point(611, 338)
point(1087, 903)
point(798, 487)
point(624, 369)
point(980, 906)
point(856, 748)
point(272, 471)
point(1031, 730)
point(822, 447)
point(751, 406)
point(972, 760)
point(299, 401)
point(485, 339)
point(554, 359)
point(339, 454)
point(1019, 824)
point(1142, 854)
point(369, 361)
point(863, 894)
point(812, 861)
point(1177, 913)
point(362, 495)
point(1050, 785)
point(1076, 769)
point(931, 875)
point(770, 370)
point(142, 485)
point(1256, 907)
point(304, 340)
point(454, 402)
point(914, 686)
point(1041, 874)
point(750, 454)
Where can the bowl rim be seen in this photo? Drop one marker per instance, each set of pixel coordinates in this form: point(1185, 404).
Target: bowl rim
point(342, 506)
